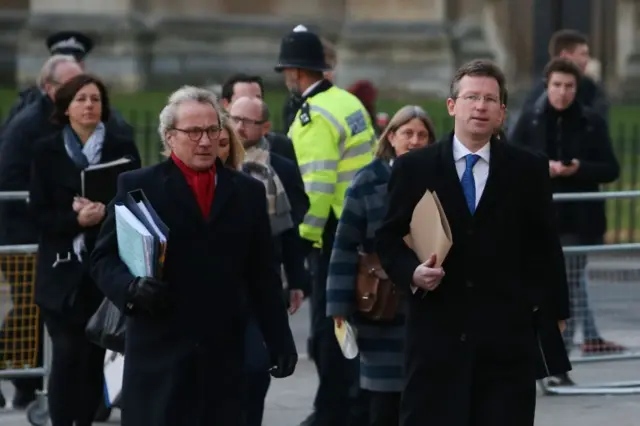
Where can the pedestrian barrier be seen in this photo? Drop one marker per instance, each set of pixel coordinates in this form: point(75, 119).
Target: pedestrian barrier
point(604, 288)
point(25, 349)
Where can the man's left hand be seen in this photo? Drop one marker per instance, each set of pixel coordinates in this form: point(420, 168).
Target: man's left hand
point(296, 298)
point(283, 366)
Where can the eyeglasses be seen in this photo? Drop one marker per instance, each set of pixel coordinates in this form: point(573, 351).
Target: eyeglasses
point(477, 98)
point(246, 121)
point(195, 133)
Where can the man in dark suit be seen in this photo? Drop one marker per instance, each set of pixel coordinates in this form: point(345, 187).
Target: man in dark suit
point(485, 323)
point(288, 203)
point(184, 359)
point(241, 85)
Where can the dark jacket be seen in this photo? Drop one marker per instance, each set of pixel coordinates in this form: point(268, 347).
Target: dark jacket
point(577, 133)
point(16, 154)
point(25, 97)
point(289, 111)
point(289, 244)
point(480, 328)
point(65, 289)
point(280, 144)
point(186, 366)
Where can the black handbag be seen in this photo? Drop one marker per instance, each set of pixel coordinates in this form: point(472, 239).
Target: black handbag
point(106, 328)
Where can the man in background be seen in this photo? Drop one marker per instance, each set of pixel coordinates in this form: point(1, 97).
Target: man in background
point(78, 45)
point(573, 45)
point(288, 204)
point(295, 101)
point(241, 85)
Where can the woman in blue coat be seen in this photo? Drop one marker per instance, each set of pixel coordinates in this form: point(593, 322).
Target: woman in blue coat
point(380, 342)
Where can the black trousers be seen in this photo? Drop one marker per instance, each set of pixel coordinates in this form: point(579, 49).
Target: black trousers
point(384, 408)
point(337, 400)
point(21, 326)
point(76, 380)
point(257, 377)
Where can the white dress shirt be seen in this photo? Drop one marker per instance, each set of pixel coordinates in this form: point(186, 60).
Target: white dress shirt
point(480, 170)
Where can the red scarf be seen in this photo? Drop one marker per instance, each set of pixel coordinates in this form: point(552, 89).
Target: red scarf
point(203, 184)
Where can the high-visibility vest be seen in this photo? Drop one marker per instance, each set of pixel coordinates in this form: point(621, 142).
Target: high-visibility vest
point(333, 139)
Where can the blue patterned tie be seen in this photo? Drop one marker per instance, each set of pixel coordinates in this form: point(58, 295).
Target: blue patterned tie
point(469, 183)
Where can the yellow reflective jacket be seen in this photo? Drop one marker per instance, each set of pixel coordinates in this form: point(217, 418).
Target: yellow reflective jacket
point(333, 138)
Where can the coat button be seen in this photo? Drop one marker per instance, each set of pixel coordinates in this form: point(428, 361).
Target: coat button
point(463, 337)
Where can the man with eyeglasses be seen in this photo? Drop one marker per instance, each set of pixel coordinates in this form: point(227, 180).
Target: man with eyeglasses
point(287, 203)
point(185, 352)
point(241, 85)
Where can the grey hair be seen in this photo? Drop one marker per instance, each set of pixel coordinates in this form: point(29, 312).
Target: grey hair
point(48, 70)
point(169, 113)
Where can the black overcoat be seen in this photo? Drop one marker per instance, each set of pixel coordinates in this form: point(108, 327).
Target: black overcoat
point(475, 345)
point(185, 367)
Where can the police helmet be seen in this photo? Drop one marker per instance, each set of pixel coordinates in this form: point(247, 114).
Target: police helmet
point(69, 43)
point(302, 49)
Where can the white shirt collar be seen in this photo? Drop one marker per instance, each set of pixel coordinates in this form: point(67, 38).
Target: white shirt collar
point(461, 151)
point(310, 88)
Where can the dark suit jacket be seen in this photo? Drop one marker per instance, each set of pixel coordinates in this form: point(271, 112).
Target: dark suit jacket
point(506, 262)
point(282, 145)
point(289, 244)
point(55, 181)
point(186, 365)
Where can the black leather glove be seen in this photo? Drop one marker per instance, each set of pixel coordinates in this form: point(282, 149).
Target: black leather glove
point(283, 365)
point(149, 295)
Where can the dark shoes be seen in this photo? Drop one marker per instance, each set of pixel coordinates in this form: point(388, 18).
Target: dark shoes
point(560, 380)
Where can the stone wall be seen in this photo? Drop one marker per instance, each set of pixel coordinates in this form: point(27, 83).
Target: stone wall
point(401, 45)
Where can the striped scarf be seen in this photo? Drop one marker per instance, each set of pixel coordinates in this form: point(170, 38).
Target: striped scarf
point(257, 163)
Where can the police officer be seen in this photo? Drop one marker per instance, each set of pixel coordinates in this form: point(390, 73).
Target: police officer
point(333, 138)
point(78, 45)
point(293, 101)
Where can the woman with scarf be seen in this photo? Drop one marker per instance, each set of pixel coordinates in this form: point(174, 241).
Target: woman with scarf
point(380, 341)
point(68, 227)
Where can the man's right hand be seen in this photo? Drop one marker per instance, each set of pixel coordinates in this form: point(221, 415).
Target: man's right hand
point(426, 276)
point(149, 295)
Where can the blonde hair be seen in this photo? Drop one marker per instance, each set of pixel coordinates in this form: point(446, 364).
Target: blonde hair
point(404, 115)
point(236, 149)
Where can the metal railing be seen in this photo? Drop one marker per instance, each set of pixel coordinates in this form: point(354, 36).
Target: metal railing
point(604, 283)
point(25, 346)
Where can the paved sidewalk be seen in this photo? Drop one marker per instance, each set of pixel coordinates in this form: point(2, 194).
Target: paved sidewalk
point(289, 401)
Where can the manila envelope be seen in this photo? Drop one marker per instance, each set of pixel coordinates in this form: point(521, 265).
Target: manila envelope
point(429, 230)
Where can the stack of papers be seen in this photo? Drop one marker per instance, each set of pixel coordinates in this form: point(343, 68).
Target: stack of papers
point(142, 236)
point(430, 232)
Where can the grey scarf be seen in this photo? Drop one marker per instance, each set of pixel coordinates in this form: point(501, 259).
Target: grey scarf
point(83, 156)
point(257, 163)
